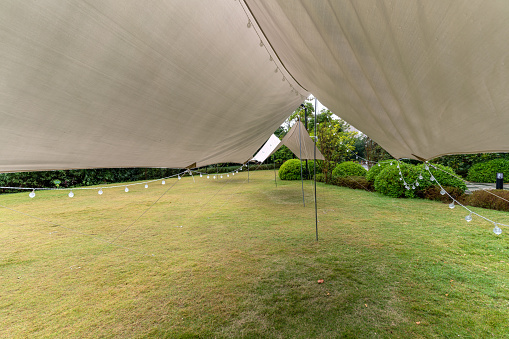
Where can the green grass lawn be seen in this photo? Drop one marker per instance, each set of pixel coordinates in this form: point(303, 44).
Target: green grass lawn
point(231, 259)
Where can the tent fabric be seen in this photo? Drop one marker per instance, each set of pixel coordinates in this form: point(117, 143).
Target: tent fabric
point(130, 83)
point(267, 149)
point(107, 83)
point(299, 142)
point(421, 78)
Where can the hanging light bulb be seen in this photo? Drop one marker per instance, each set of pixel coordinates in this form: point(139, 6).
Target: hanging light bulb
point(426, 167)
point(442, 191)
point(208, 176)
point(391, 163)
point(179, 177)
point(497, 229)
point(163, 182)
point(71, 194)
point(221, 177)
point(228, 175)
point(469, 217)
point(432, 178)
point(233, 173)
point(146, 185)
point(416, 183)
point(100, 191)
point(237, 171)
point(420, 177)
point(400, 178)
point(378, 164)
point(214, 176)
point(32, 194)
point(413, 187)
point(126, 189)
point(201, 175)
point(451, 205)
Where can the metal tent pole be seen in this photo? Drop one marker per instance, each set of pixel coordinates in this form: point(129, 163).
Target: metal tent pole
point(274, 159)
point(314, 171)
point(300, 158)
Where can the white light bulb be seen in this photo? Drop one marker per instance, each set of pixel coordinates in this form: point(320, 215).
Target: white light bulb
point(420, 177)
point(426, 167)
point(400, 179)
point(126, 189)
point(228, 175)
point(416, 184)
point(432, 178)
point(214, 176)
point(100, 191)
point(208, 176)
point(32, 194)
point(146, 185)
point(497, 230)
point(179, 177)
point(221, 177)
point(201, 175)
point(378, 164)
point(237, 171)
point(413, 187)
point(233, 173)
point(71, 194)
point(451, 205)
point(391, 163)
point(163, 182)
point(442, 191)
point(469, 217)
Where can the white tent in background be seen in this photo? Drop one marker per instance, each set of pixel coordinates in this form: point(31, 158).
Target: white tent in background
point(107, 83)
point(268, 148)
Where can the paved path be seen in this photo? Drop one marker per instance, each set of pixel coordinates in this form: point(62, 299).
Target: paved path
point(474, 186)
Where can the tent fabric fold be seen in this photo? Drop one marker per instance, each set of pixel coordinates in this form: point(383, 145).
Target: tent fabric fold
point(299, 142)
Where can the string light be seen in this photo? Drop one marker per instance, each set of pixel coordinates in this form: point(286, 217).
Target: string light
point(146, 185)
point(100, 191)
point(200, 175)
point(126, 189)
point(442, 191)
point(497, 229)
point(451, 205)
point(32, 194)
point(208, 176)
point(163, 182)
point(71, 194)
point(469, 217)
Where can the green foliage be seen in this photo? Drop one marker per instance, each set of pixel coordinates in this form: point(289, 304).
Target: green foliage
point(376, 169)
point(374, 152)
point(444, 175)
point(283, 154)
point(487, 171)
point(349, 168)
point(491, 199)
point(461, 163)
point(388, 180)
point(290, 170)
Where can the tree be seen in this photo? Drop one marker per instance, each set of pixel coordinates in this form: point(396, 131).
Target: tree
point(375, 152)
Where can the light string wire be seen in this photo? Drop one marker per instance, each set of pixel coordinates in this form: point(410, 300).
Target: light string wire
point(138, 218)
point(262, 44)
point(100, 188)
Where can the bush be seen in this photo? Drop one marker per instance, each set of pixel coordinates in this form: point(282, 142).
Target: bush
point(349, 168)
point(388, 180)
point(375, 170)
point(320, 177)
point(355, 182)
point(485, 199)
point(290, 170)
point(487, 171)
point(442, 177)
point(433, 193)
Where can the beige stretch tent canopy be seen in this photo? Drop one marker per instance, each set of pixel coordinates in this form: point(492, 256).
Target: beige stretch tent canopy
point(107, 83)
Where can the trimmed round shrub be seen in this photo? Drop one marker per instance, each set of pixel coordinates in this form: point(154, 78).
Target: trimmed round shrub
point(349, 168)
point(487, 171)
point(290, 170)
point(440, 173)
point(377, 168)
point(388, 180)
point(319, 165)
